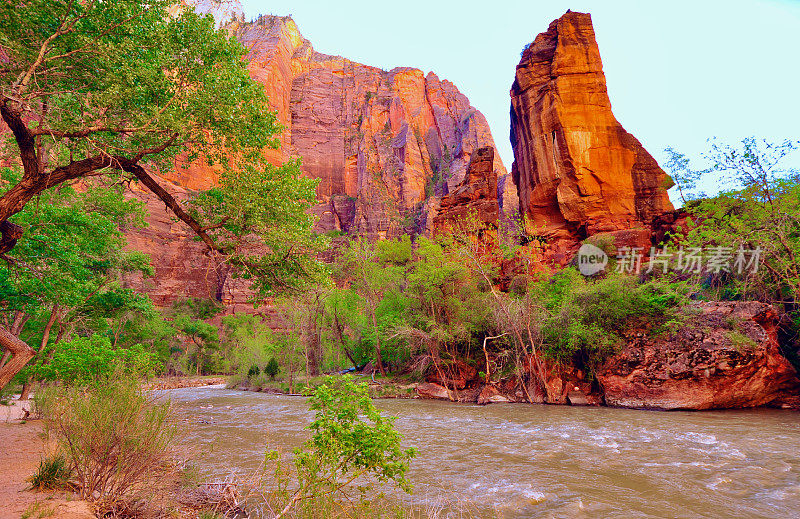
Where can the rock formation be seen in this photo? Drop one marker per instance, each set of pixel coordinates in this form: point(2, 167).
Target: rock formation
point(475, 196)
point(384, 145)
point(380, 142)
point(725, 356)
point(578, 172)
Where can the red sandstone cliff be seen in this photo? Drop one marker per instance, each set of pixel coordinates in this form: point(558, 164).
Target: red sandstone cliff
point(577, 170)
point(381, 142)
point(384, 144)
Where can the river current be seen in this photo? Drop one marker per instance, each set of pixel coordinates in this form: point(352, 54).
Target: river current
point(517, 460)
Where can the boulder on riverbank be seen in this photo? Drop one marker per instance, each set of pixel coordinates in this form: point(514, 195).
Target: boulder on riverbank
point(725, 355)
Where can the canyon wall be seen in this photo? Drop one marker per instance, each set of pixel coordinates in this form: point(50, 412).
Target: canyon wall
point(385, 146)
point(382, 143)
point(577, 170)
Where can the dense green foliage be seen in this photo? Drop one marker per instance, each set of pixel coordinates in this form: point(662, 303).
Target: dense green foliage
point(52, 473)
point(351, 442)
point(586, 318)
point(92, 359)
point(115, 90)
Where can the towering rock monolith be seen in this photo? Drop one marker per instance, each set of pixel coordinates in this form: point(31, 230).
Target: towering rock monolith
point(577, 170)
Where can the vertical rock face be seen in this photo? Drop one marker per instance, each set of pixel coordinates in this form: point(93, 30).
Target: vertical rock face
point(476, 196)
point(382, 143)
point(577, 170)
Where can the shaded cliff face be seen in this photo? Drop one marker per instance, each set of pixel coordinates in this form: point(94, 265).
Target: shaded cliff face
point(475, 196)
point(577, 170)
point(381, 142)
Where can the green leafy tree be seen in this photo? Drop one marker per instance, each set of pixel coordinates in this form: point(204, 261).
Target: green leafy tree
point(69, 258)
point(118, 89)
point(350, 440)
point(90, 359)
point(363, 269)
point(272, 368)
point(759, 210)
point(204, 340)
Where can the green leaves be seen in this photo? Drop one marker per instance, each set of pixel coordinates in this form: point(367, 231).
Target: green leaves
point(92, 359)
point(763, 211)
point(585, 319)
point(72, 247)
point(126, 76)
point(107, 85)
point(259, 216)
point(349, 438)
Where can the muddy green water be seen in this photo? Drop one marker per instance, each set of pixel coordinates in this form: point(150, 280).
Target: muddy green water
point(518, 460)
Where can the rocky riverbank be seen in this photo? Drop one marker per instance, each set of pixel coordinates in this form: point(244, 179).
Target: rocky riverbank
point(723, 355)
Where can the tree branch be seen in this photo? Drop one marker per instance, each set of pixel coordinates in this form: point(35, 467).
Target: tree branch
point(151, 184)
point(22, 354)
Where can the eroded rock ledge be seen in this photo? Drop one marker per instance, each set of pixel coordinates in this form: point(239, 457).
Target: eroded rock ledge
point(724, 355)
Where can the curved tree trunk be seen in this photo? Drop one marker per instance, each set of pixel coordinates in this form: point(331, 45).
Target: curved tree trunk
point(21, 352)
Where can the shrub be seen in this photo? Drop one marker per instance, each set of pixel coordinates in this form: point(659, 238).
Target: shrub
point(39, 510)
point(350, 439)
point(86, 359)
point(740, 341)
point(254, 371)
point(52, 473)
point(272, 368)
point(588, 317)
point(117, 442)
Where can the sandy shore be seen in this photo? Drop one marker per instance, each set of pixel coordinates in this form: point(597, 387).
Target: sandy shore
point(23, 447)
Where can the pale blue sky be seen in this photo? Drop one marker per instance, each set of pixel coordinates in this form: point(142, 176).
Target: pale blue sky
point(678, 71)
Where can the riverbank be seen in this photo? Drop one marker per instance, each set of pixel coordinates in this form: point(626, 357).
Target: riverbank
point(25, 447)
point(181, 382)
point(503, 392)
point(379, 387)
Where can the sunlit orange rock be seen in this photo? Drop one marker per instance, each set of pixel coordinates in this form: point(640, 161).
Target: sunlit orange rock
point(725, 356)
point(577, 170)
point(382, 143)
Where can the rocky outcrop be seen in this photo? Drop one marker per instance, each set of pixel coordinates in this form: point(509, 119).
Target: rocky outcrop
point(725, 356)
point(578, 172)
point(474, 197)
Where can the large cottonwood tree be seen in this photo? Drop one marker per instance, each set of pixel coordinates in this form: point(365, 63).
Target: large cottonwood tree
point(122, 88)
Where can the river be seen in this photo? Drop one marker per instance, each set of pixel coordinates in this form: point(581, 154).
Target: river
point(516, 460)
